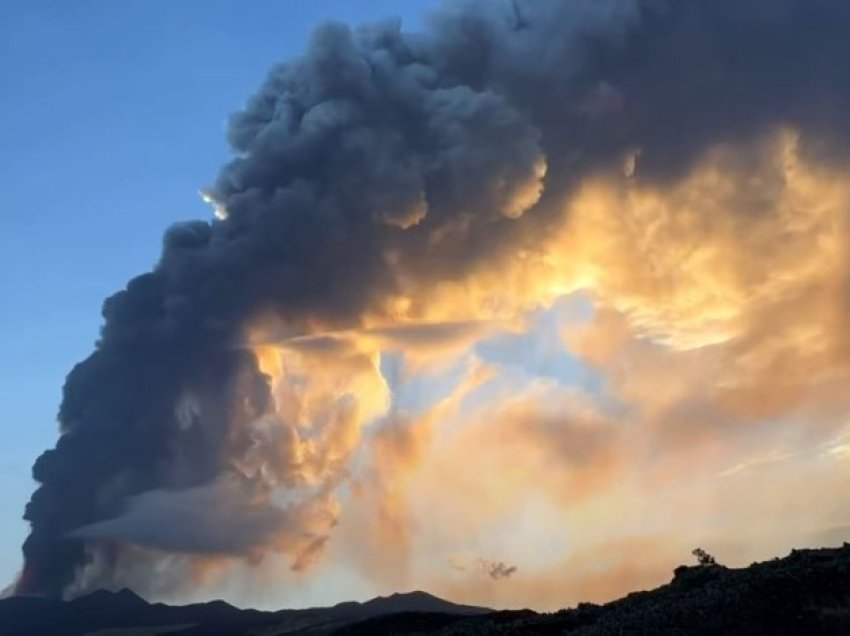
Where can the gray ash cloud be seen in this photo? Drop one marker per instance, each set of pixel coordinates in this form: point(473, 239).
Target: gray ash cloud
point(381, 150)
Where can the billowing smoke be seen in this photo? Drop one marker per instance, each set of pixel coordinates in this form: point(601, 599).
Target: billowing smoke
point(372, 174)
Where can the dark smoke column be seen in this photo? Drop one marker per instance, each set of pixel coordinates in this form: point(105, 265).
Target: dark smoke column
point(378, 152)
point(120, 434)
point(361, 147)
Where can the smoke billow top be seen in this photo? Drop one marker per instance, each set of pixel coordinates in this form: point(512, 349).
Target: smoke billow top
point(408, 192)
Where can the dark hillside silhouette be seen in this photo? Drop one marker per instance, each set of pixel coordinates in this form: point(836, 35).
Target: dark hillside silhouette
point(806, 593)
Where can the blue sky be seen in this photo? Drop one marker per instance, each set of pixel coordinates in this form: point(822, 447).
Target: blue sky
point(112, 116)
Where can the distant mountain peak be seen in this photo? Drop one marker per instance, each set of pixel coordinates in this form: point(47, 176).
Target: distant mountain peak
point(124, 596)
point(412, 595)
point(419, 601)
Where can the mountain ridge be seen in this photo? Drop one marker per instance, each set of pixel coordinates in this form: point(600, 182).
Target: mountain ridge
point(806, 592)
point(124, 609)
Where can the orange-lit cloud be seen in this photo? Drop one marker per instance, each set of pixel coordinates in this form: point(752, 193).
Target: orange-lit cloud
point(717, 331)
point(720, 417)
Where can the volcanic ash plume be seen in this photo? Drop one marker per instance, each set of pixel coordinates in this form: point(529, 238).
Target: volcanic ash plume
point(397, 196)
